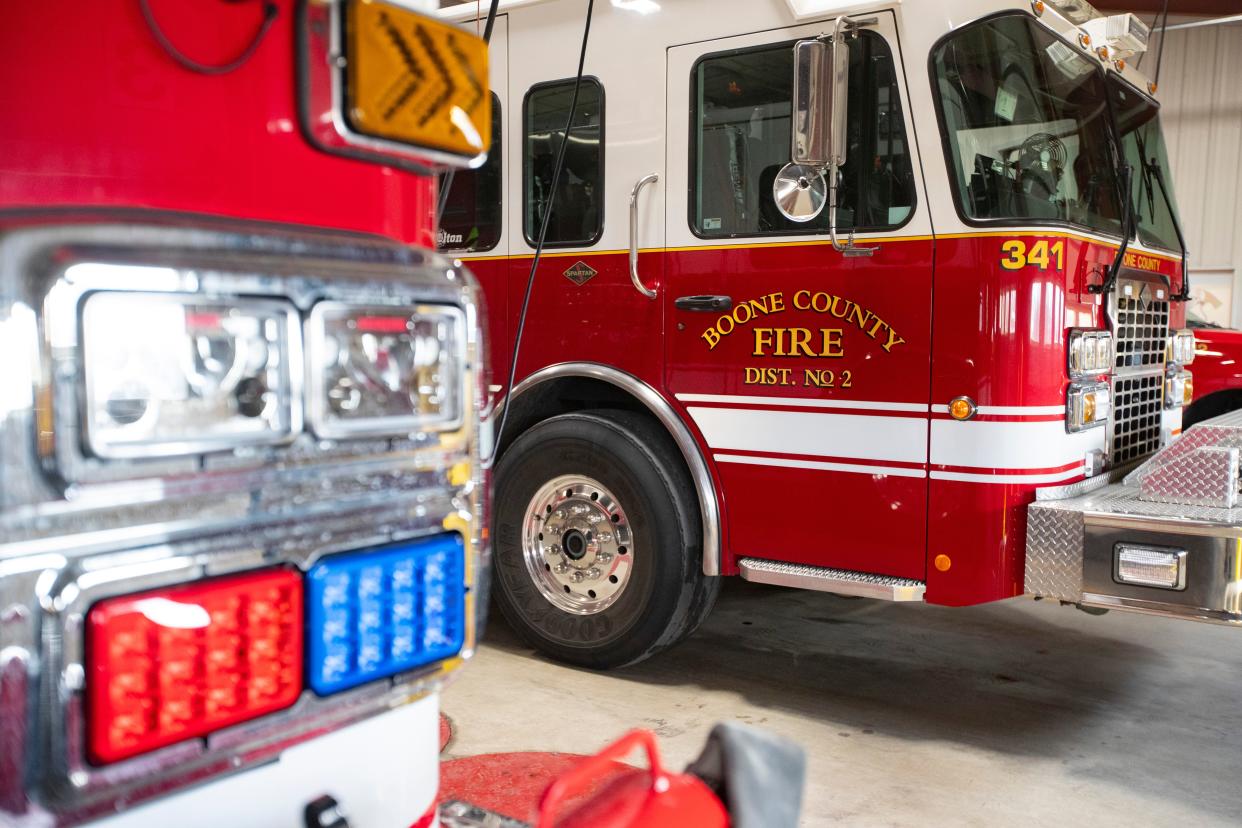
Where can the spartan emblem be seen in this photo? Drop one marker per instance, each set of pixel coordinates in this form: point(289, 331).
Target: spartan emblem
point(580, 273)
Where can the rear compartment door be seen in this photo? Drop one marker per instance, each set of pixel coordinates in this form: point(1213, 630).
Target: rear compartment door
point(806, 372)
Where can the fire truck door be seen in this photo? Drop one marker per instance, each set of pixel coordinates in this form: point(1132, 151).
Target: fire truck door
point(805, 371)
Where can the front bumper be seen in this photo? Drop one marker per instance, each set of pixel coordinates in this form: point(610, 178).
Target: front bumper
point(1074, 534)
point(355, 766)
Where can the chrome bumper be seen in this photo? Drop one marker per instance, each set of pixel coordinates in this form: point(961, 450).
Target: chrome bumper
point(1073, 534)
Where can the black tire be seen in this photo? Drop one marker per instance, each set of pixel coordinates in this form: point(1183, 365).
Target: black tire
point(1211, 406)
point(667, 595)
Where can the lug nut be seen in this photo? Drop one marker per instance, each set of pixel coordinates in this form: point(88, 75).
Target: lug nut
point(560, 513)
point(561, 568)
point(604, 537)
point(595, 518)
point(554, 531)
point(554, 549)
point(603, 557)
point(579, 509)
point(593, 573)
point(579, 576)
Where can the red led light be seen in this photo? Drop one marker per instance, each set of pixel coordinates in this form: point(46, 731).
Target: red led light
point(383, 324)
point(172, 664)
point(201, 320)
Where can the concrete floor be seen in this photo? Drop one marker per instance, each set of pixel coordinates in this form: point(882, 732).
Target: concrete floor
point(1017, 713)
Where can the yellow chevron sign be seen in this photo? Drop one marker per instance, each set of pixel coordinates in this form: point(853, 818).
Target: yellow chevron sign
point(416, 80)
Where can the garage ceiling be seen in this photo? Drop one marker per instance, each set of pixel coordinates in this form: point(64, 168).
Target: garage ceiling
point(1214, 8)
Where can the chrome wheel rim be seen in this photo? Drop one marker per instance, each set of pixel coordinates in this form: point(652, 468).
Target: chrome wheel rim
point(577, 544)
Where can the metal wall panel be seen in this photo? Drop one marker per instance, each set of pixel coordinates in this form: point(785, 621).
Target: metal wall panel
point(1201, 93)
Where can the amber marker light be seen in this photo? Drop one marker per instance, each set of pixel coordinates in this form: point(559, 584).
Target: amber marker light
point(1084, 40)
point(1151, 87)
point(1038, 7)
point(416, 80)
point(962, 408)
point(1088, 408)
point(943, 563)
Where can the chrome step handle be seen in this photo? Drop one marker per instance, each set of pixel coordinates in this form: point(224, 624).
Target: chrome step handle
point(638, 188)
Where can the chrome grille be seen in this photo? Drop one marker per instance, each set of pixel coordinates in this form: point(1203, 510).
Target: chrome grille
point(1137, 405)
point(1142, 326)
point(1141, 330)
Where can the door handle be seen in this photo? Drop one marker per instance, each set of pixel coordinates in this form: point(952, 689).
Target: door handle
point(703, 304)
point(638, 283)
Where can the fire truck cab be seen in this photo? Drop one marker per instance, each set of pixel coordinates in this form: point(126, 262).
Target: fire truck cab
point(853, 374)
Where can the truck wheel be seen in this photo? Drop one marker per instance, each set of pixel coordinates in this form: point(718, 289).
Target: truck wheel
point(598, 556)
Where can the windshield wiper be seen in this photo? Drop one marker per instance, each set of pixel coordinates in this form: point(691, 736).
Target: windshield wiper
point(1125, 173)
point(1182, 295)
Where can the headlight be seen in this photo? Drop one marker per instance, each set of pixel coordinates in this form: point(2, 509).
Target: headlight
point(1086, 406)
point(171, 374)
point(1182, 347)
point(1179, 389)
point(377, 370)
point(1090, 353)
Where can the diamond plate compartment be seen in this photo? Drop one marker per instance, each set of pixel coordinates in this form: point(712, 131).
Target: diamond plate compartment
point(1200, 469)
point(1055, 532)
point(1205, 476)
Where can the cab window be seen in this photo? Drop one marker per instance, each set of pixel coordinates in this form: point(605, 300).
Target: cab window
point(1026, 126)
point(741, 139)
point(577, 206)
point(471, 221)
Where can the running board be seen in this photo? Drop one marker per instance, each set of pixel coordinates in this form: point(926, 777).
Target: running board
point(840, 581)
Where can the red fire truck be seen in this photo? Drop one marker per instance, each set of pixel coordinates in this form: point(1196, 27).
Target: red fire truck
point(832, 292)
point(241, 497)
point(1218, 370)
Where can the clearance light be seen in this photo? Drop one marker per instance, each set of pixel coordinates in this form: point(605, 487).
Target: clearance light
point(1086, 406)
point(1090, 353)
point(962, 408)
point(376, 613)
point(1179, 389)
point(1151, 566)
point(172, 664)
point(175, 374)
point(1182, 347)
point(381, 370)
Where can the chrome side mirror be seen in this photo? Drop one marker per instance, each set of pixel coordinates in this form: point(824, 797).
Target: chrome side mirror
point(821, 87)
point(820, 103)
point(800, 192)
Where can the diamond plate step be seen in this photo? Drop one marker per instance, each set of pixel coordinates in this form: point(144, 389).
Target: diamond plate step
point(823, 579)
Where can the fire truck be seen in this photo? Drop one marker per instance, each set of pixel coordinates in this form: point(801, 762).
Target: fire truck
point(241, 496)
point(1218, 375)
point(863, 297)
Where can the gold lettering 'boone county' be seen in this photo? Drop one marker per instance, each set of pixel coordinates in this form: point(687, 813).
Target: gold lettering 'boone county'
point(847, 310)
point(808, 342)
point(743, 313)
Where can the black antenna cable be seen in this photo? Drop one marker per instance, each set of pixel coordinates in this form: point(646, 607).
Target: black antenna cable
point(543, 229)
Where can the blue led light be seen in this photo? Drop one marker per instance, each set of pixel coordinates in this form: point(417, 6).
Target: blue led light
point(382, 611)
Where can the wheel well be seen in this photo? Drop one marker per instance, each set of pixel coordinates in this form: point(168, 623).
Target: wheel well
point(568, 387)
point(1218, 402)
point(564, 395)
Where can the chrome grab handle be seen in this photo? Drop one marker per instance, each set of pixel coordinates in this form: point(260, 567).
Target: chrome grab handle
point(638, 188)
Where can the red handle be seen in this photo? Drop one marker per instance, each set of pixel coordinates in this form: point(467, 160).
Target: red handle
point(572, 782)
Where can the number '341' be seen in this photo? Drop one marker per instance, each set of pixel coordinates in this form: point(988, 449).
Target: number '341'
point(1040, 255)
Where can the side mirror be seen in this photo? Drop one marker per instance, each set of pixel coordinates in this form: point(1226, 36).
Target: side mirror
point(820, 91)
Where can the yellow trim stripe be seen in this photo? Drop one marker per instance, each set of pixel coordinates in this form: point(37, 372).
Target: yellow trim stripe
point(1050, 234)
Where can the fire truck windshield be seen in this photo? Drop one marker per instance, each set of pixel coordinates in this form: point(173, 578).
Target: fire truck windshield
point(1026, 124)
point(1155, 208)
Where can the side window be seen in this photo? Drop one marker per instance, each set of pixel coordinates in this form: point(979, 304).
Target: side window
point(471, 221)
point(578, 204)
point(740, 141)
